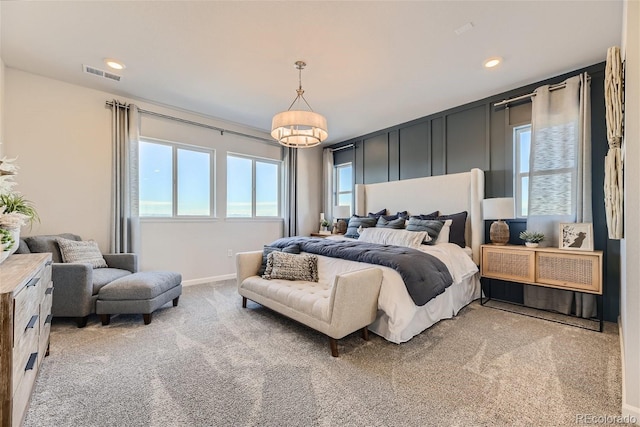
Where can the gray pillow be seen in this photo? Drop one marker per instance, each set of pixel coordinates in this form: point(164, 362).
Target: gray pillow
point(397, 223)
point(48, 243)
point(432, 227)
point(83, 252)
point(291, 249)
point(355, 222)
point(281, 265)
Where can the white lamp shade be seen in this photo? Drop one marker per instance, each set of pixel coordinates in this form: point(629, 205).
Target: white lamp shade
point(498, 208)
point(297, 128)
point(341, 212)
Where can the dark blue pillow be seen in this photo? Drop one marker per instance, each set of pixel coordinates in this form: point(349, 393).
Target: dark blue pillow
point(403, 214)
point(432, 215)
point(397, 223)
point(378, 214)
point(291, 249)
point(458, 225)
point(355, 222)
point(431, 226)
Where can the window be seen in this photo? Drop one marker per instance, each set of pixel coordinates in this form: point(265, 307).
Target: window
point(175, 180)
point(253, 187)
point(522, 147)
point(343, 189)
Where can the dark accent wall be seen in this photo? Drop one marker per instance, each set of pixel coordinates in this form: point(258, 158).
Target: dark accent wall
point(478, 135)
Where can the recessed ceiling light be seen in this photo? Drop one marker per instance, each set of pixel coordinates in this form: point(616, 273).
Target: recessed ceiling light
point(492, 62)
point(116, 65)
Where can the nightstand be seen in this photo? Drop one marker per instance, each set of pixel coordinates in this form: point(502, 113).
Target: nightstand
point(320, 235)
point(570, 270)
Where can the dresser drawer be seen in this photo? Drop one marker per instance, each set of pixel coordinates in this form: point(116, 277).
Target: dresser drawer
point(22, 351)
point(45, 320)
point(25, 305)
point(22, 391)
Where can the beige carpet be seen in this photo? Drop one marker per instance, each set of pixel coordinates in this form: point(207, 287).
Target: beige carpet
point(208, 362)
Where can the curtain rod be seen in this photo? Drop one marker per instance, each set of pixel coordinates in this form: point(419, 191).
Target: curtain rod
point(190, 122)
point(333, 150)
point(532, 94)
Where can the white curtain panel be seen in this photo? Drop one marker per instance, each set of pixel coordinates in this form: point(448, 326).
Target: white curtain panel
point(327, 183)
point(125, 221)
point(560, 177)
point(291, 192)
point(560, 160)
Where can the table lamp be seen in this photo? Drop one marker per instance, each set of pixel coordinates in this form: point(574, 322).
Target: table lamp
point(340, 213)
point(499, 208)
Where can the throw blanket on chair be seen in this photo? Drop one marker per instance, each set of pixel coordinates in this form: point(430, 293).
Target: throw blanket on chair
point(424, 275)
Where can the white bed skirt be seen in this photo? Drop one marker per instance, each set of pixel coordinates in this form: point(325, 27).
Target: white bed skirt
point(444, 306)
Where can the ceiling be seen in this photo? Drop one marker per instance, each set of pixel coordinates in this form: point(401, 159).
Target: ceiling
point(371, 65)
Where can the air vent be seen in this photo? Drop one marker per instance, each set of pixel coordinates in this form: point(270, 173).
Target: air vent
point(101, 73)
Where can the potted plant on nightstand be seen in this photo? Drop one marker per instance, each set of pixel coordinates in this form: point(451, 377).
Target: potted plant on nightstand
point(531, 238)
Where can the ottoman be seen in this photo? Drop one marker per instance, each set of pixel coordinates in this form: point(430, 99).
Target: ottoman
point(138, 293)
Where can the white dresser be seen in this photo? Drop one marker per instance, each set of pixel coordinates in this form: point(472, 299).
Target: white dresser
point(26, 293)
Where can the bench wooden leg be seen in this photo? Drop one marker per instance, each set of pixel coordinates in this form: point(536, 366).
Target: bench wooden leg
point(244, 302)
point(105, 319)
point(365, 333)
point(334, 346)
point(175, 301)
point(147, 318)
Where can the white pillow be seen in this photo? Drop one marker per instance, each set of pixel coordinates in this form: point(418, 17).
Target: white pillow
point(443, 237)
point(391, 236)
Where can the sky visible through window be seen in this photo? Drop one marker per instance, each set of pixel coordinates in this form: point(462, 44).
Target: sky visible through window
point(240, 187)
point(156, 175)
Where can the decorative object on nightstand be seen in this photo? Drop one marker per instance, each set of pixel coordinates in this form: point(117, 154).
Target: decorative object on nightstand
point(532, 238)
point(339, 214)
point(324, 224)
point(499, 209)
point(576, 236)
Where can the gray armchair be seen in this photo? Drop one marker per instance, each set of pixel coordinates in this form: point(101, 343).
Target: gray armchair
point(76, 286)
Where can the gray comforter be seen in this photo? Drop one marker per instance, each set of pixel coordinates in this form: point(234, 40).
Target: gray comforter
point(424, 275)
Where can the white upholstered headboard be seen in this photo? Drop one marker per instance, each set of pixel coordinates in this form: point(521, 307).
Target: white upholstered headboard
point(447, 193)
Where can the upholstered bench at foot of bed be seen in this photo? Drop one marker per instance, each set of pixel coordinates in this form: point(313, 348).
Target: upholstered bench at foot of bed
point(346, 304)
point(139, 293)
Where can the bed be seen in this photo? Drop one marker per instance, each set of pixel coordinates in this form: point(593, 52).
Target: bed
point(399, 318)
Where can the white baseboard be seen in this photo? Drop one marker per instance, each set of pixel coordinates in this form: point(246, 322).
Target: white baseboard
point(208, 279)
point(629, 411)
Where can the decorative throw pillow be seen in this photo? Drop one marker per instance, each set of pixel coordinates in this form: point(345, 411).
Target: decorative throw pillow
point(431, 226)
point(291, 249)
point(390, 236)
point(443, 237)
point(458, 226)
point(355, 222)
point(378, 214)
point(282, 265)
point(397, 223)
point(83, 252)
point(432, 215)
point(403, 215)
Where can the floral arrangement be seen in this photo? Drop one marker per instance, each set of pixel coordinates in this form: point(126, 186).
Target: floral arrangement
point(15, 210)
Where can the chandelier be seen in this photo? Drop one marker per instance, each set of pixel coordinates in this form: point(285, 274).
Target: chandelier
point(299, 128)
